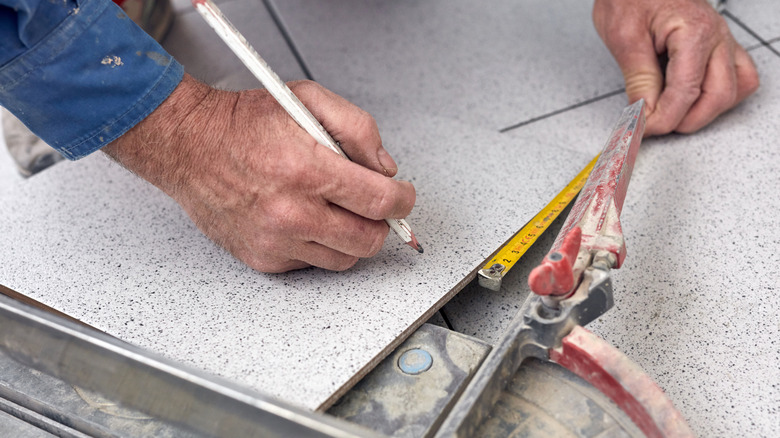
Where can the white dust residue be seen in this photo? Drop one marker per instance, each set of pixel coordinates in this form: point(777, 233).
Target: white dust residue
point(113, 61)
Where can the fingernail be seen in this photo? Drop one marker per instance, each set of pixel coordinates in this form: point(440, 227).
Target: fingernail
point(387, 162)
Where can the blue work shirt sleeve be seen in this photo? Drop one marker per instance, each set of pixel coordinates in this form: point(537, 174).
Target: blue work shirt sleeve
point(79, 73)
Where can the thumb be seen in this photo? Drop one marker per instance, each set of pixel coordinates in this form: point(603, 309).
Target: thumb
point(354, 129)
point(641, 72)
point(631, 45)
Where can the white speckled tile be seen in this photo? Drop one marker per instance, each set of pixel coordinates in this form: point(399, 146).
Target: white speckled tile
point(204, 55)
point(696, 302)
point(742, 36)
point(488, 65)
point(91, 240)
point(761, 16)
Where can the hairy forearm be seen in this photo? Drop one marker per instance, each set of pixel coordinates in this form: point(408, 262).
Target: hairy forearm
point(163, 147)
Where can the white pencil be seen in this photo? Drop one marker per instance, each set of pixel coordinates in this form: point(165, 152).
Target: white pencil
point(282, 93)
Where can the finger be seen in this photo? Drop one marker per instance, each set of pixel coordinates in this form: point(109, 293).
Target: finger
point(718, 91)
point(315, 254)
point(353, 128)
point(641, 72)
point(747, 74)
point(259, 260)
point(688, 59)
point(362, 191)
point(348, 233)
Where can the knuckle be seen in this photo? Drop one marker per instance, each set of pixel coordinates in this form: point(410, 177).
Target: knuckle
point(724, 99)
point(751, 82)
point(365, 124)
point(660, 127)
point(392, 199)
point(381, 205)
point(688, 91)
point(376, 240)
point(305, 88)
point(283, 218)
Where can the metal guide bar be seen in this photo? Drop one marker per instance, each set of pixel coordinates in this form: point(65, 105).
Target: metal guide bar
point(139, 379)
point(493, 272)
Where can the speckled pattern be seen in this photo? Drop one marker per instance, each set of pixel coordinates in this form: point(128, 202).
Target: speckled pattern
point(93, 241)
point(760, 16)
point(699, 301)
point(741, 35)
point(489, 66)
point(696, 301)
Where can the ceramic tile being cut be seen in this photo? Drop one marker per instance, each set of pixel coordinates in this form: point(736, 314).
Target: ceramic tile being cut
point(488, 65)
point(205, 56)
point(93, 241)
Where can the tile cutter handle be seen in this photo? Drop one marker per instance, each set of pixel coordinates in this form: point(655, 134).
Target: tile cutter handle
point(592, 234)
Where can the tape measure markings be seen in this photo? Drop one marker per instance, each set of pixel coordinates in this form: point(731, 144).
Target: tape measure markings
point(509, 254)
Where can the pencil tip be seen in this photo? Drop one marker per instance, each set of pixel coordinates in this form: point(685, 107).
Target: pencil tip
point(415, 244)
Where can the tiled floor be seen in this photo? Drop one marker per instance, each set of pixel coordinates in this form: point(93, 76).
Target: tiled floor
point(695, 302)
point(478, 65)
point(8, 172)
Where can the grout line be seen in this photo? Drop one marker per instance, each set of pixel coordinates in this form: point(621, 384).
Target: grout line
point(446, 320)
point(560, 111)
point(750, 31)
point(277, 17)
point(762, 43)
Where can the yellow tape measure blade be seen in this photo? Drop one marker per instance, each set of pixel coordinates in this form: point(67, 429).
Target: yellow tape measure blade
point(491, 274)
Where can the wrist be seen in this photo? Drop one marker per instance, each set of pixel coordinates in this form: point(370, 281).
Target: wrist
point(160, 148)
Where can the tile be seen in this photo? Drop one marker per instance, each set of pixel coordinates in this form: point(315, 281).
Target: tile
point(8, 173)
point(93, 241)
point(181, 6)
point(488, 66)
point(696, 300)
point(758, 15)
point(743, 37)
point(193, 43)
point(485, 314)
point(437, 320)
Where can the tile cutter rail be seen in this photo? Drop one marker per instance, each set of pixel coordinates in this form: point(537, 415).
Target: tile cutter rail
point(438, 383)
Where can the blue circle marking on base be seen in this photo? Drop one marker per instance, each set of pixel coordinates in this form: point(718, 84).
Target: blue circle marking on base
point(415, 361)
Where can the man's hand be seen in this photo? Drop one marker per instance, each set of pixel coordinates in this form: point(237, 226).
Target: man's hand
point(257, 184)
point(707, 72)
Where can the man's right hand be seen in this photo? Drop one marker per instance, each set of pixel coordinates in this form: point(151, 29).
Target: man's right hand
point(256, 183)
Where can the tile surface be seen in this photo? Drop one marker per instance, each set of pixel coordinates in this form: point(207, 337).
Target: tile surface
point(8, 173)
point(695, 303)
point(93, 241)
point(761, 16)
point(488, 66)
point(697, 297)
point(742, 36)
point(193, 43)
